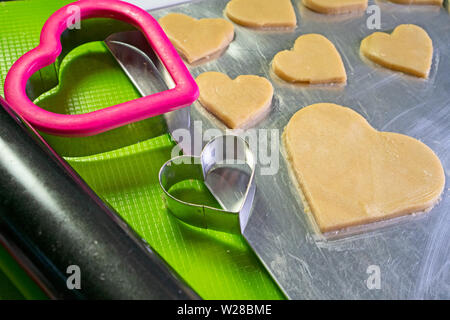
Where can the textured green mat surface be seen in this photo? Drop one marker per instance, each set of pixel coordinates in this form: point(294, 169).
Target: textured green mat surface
point(122, 165)
point(15, 284)
point(7, 289)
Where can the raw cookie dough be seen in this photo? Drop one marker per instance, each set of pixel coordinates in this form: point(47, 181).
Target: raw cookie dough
point(238, 103)
point(336, 6)
point(352, 174)
point(197, 39)
point(314, 59)
point(408, 49)
point(432, 2)
point(262, 13)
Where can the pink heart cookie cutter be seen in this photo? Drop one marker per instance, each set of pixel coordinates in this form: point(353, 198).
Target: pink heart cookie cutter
point(182, 95)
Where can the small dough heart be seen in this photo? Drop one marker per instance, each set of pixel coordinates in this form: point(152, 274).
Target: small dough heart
point(197, 39)
point(314, 59)
point(336, 6)
point(423, 2)
point(352, 174)
point(238, 103)
point(262, 13)
point(408, 49)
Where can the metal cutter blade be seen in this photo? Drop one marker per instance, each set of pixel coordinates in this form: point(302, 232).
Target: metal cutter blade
point(148, 74)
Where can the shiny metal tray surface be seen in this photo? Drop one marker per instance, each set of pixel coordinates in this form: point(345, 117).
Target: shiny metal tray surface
point(413, 255)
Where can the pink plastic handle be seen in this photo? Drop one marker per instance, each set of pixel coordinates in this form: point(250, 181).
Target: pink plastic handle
point(183, 94)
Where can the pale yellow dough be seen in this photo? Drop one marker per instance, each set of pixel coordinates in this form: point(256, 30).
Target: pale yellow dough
point(408, 49)
point(336, 6)
point(197, 39)
point(238, 103)
point(314, 59)
point(352, 174)
point(424, 2)
point(262, 13)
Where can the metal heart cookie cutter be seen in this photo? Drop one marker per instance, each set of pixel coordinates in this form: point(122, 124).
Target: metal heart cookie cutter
point(56, 34)
point(227, 166)
point(232, 187)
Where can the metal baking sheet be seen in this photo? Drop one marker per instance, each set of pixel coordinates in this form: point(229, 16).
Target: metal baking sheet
point(412, 256)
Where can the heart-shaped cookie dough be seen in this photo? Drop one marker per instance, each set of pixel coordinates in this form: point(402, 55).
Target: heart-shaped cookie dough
point(408, 49)
point(335, 6)
point(423, 2)
point(197, 39)
point(352, 174)
point(238, 103)
point(314, 59)
point(262, 13)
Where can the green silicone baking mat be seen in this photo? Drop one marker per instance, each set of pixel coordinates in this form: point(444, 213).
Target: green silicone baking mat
point(122, 165)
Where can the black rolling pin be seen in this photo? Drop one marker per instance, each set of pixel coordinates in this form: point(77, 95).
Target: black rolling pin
point(61, 232)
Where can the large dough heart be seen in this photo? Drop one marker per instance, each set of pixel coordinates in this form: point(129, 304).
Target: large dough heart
point(352, 174)
point(197, 39)
point(408, 49)
point(238, 103)
point(336, 6)
point(424, 2)
point(314, 59)
point(262, 13)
